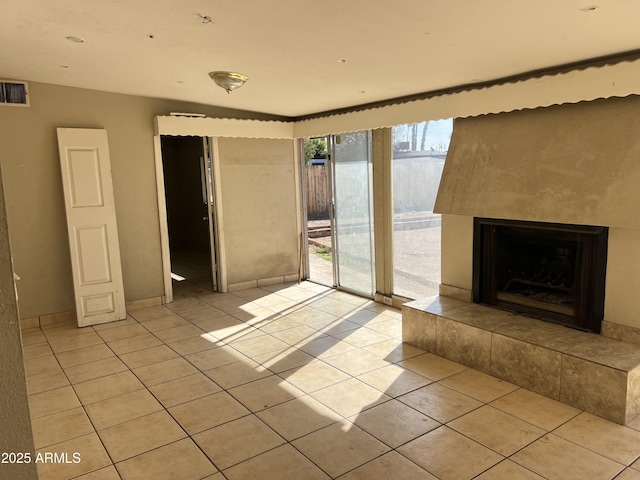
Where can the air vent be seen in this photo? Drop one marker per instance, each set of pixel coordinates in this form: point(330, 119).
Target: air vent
point(14, 93)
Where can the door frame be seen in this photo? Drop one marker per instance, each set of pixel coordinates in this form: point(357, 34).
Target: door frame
point(206, 177)
point(305, 267)
point(196, 124)
point(217, 242)
point(331, 139)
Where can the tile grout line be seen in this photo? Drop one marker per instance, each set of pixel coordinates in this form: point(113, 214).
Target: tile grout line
point(72, 385)
point(182, 356)
point(310, 394)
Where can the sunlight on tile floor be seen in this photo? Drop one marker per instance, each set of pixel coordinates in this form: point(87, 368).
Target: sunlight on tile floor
point(294, 382)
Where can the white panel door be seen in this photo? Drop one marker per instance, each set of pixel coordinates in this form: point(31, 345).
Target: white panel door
point(91, 222)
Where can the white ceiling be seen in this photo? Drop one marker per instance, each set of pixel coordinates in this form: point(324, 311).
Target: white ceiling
point(303, 56)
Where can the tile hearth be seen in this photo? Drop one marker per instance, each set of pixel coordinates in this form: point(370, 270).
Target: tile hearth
point(588, 371)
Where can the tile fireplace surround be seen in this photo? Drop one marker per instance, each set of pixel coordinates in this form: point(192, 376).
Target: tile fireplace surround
point(589, 371)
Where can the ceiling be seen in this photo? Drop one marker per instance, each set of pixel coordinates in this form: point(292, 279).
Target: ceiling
point(305, 56)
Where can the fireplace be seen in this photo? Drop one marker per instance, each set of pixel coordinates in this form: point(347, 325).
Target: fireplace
point(549, 271)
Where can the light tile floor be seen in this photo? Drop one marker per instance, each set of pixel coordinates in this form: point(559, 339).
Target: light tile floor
point(293, 382)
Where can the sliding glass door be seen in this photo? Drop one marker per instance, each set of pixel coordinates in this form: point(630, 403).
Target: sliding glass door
point(419, 152)
point(353, 212)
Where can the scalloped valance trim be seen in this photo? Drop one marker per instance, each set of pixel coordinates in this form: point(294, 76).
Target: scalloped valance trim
point(586, 84)
point(582, 84)
point(183, 125)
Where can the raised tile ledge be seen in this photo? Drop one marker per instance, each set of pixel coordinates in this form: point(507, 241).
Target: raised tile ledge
point(592, 372)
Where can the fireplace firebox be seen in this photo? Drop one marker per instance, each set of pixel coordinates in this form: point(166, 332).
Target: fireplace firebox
point(549, 271)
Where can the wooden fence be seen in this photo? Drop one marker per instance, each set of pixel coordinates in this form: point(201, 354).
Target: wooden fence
point(317, 191)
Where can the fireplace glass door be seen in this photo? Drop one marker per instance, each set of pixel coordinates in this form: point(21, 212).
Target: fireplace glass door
point(553, 272)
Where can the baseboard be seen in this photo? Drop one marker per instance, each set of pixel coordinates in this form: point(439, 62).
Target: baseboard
point(620, 332)
point(262, 282)
point(144, 303)
point(49, 320)
point(456, 292)
point(56, 319)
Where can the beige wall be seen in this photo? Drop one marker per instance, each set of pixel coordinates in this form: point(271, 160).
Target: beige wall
point(569, 164)
point(35, 204)
point(621, 301)
point(566, 164)
point(259, 208)
point(457, 251)
point(15, 433)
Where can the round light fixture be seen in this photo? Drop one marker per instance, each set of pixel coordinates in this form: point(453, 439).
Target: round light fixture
point(228, 80)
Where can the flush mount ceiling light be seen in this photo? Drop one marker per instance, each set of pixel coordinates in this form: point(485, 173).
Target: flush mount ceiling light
point(228, 80)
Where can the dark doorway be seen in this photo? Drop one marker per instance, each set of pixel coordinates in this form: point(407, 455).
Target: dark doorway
point(188, 196)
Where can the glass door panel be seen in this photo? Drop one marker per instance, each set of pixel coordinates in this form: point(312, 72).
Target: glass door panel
point(419, 152)
point(353, 212)
point(317, 197)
